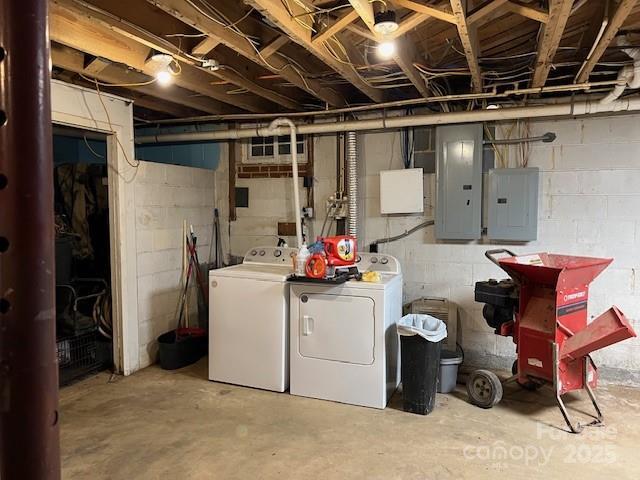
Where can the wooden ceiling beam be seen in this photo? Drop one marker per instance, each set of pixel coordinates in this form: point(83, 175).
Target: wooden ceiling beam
point(410, 22)
point(149, 39)
point(72, 25)
point(340, 24)
point(528, 11)
point(469, 38)
point(364, 9)
point(275, 10)
point(406, 61)
point(549, 39)
point(273, 46)
point(205, 46)
point(362, 32)
point(95, 65)
point(190, 15)
point(426, 9)
point(483, 13)
point(406, 55)
point(616, 21)
point(74, 61)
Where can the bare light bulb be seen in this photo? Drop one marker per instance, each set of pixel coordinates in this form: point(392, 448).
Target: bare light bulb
point(163, 77)
point(386, 50)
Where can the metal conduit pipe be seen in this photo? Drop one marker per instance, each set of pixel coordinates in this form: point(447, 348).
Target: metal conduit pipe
point(576, 109)
point(494, 94)
point(352, 183)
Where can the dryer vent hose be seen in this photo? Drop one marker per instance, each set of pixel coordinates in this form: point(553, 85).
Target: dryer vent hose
point(352, 183)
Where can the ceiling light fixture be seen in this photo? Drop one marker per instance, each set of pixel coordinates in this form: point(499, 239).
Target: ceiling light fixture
point(161, 63)
point(164, 77)
point(385, 22)
point(386, 49)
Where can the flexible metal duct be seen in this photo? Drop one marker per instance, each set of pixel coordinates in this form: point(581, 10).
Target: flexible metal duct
point(352, 183)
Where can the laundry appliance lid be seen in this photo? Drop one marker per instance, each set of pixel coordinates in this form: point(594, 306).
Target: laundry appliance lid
point(274, 273)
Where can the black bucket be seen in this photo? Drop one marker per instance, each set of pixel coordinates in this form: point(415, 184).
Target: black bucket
point(179, 350)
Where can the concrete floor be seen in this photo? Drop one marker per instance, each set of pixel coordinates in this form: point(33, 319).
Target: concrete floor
point(177, 425)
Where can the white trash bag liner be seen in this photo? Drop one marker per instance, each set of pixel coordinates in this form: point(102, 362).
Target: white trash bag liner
point(428, 327)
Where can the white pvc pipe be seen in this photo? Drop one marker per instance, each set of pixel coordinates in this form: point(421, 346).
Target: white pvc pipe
point(275, 128)
point(494, 115)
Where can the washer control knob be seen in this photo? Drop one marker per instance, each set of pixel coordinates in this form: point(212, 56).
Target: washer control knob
point(262, 252)
point(374, 259)
point(254, 252)
point(384, 260)
point(277, 253)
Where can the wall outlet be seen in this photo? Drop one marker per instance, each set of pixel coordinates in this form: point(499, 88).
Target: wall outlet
point(307, 212)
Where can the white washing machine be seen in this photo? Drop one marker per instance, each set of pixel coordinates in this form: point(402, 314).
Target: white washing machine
point(344, 344)
point(249, 320)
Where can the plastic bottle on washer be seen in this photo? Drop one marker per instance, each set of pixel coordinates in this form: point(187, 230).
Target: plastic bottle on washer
point(301, 260)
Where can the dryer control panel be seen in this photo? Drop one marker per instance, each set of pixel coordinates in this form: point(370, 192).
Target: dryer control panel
point(271, 255)
point(379, 262)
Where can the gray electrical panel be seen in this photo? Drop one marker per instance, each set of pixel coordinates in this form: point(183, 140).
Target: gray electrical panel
point(459, 178)
point(513, 204)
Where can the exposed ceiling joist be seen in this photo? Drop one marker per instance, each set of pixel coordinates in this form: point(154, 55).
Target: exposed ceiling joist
point(74, 61)
point(332, 55)
point(362, 32)
point(549, 39)
point(190, 15)
point(364, 9)
point(426, 9)
point(203, 79)
point(406, 62)
point(273, 46)
point(616, 21)
point(205, 46)
point(340, 24)
point(96, 65)
point(528, 11)
point(405, 55)
point(412, 21)
point(484, 12)
point(469, 39)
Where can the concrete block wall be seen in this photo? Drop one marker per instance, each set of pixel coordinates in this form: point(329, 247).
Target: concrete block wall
point(165, 195)
point(589, 204)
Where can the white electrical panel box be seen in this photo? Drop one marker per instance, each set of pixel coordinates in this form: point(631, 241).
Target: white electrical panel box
point(401, 191)
point(513, 204)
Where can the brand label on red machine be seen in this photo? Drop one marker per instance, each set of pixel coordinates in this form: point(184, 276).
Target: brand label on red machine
point(571, 308)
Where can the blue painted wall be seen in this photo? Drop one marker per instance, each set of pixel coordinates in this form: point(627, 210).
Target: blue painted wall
point(192, 154)
point(75, 150)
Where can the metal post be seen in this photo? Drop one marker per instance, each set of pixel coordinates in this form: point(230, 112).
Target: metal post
point(29, 445)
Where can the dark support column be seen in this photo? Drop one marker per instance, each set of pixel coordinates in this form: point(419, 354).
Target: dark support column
point(29, 447)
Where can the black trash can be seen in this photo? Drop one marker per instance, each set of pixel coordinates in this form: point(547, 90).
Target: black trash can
point(420, 345)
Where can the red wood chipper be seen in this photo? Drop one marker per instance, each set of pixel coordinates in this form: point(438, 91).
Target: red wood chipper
point(544, 308)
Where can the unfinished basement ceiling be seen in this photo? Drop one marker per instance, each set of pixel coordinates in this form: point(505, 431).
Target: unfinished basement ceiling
point(292, 55)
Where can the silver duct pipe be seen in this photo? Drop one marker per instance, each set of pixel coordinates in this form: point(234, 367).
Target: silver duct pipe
point(574, 109)
point(352, 183)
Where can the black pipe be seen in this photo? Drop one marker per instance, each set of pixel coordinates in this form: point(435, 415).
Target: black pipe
point(29, 437)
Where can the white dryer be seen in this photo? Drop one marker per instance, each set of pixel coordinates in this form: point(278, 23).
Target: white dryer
point(344, 344)
point(249, 320)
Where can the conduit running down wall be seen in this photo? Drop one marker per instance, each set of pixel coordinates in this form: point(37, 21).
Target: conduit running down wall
point(495, 115)
point(352, 183)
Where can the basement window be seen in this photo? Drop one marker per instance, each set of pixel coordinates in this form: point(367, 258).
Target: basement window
point(273, 150)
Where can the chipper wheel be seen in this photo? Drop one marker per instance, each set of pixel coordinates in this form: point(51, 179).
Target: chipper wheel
point(484, 388)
